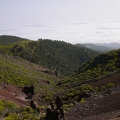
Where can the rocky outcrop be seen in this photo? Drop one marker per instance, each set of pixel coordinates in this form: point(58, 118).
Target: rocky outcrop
point(29, 91)
point(55, 112)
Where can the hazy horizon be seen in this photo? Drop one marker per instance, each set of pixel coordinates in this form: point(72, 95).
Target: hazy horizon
point(78, 21)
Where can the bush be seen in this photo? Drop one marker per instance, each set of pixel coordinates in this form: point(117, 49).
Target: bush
point(83, 100)
point(102, 88)
point(12, 117)
point(1, 110)
point(110, 85)
point(43, 116)
point(7, 107)
point(86, 87)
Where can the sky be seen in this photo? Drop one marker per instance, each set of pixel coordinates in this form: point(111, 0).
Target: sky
point(62, 17)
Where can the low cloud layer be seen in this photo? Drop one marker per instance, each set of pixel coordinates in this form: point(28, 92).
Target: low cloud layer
point(75, 31)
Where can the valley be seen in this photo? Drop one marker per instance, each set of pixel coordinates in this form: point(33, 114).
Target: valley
point(33, 73)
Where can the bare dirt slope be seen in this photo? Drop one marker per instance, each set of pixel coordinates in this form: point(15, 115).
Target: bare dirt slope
point(100, 106)
point(14, 94)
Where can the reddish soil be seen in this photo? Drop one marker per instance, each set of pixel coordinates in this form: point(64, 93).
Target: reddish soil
point(14, 94)
point(100, 106)
point(115, 78)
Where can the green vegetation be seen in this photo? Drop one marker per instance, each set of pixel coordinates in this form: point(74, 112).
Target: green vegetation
point(110, 85)
point(17, 71)
point(23, 62)
point(7, 107)
point(95, 69)
point(7, 42)
point(63, 58)
point(5, 39)
point(20, 72)
point(83, 100)
point(11, 111)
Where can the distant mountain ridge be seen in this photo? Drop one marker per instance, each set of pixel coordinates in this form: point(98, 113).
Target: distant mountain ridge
point(101, 47)
point(114, 45)
point(96, 47)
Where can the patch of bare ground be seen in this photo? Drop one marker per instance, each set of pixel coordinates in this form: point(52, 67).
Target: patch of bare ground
point(115, 78)
point(105, 116)
point(100, 106)
point(14, 94)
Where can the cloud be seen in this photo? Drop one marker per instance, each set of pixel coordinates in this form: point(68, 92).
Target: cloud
point(69, 31)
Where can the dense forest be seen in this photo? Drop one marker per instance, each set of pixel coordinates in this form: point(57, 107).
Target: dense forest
point(63, 58)
point(5, 39)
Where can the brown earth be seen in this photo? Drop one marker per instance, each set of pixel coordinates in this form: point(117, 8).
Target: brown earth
point(100, 106)
point(14, 94)
point(115, 78)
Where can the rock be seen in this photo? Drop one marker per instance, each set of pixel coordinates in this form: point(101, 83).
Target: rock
point(55, 113)
point(58, 102)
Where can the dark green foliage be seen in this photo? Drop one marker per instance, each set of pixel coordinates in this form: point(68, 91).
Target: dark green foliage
point(63, 58)
point(106, 62)
point(98, 67)
point(5, 39)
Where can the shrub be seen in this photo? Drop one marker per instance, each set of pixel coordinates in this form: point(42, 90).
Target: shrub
point(86, 87)
point(83, 100)
point(102, 88)
point(1, 110)
point(110, 85)
point(12, 117)
point(43, 116)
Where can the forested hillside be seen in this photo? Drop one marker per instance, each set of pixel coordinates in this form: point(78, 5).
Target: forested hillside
point(63, 58)
point(5, 39)
point(98, 68)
